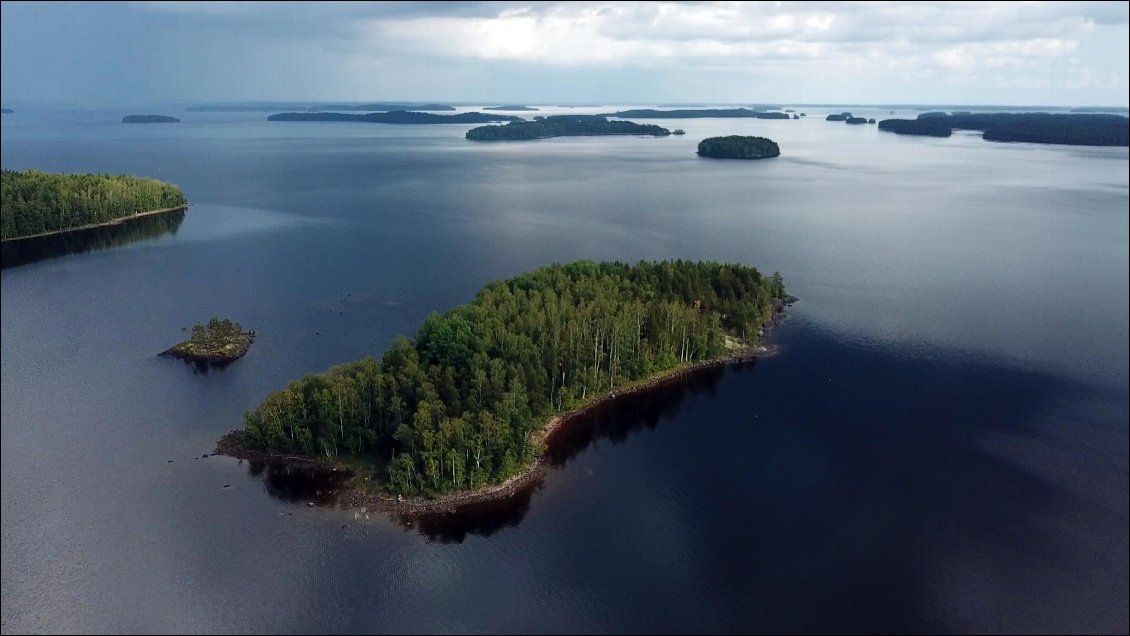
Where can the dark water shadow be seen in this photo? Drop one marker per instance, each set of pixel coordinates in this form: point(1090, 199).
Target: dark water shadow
point(200, 367)
point(27, 251)
point(617, 420)
point(299, 484)
point(482, 519)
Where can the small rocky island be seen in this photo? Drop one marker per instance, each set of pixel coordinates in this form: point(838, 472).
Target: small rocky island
point(738, 147)
point(149, 119)
point(219, 341)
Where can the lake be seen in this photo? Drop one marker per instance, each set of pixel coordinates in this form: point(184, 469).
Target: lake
point(941, 444)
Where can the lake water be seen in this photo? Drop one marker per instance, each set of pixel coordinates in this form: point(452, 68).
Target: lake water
point(941, 444)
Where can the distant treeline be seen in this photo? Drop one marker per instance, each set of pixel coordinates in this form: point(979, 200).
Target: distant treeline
point(33, 202)
point(738, 147)
point(382, 107)
point(6, 111)
point(511, 107)
point(1042, 128)
point(563, 126)
point(149, 119)
point(396, 117)
point(455, 407)
point(649, 113)
point(269, 107)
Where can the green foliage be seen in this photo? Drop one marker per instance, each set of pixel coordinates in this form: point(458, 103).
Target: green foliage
point(456, 406)
point(33, 202)
point(218, 339)
point(563, 126)
point(738, 147)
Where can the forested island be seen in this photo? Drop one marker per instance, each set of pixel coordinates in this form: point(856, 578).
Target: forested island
point(1041, 128)
point(469, 400)
point(838, 117)
point(34, 203)
point(738, 147)
point(396, 117)
point(511, 107)
point(149, 119)
point(563, 126)
point(650, 113)
point(6, 111)
point(856, 120)
point(382, 107)
point(217, 341)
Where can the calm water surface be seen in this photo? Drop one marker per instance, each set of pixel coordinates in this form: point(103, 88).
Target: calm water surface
point(940, 446)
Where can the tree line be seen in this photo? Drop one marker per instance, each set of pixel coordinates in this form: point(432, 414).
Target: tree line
point(563, 126)
point(33, 202)
point(454, 407)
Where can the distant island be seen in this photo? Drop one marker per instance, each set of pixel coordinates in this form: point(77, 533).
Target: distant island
point(856, 120)
point(1100, 109)
point(382, 107)
point(216, 342)
point(563, 126)
point(282, 106)
point(511, 107)
point(678, 131)
point(6, 111)
point(738, 147)
point(461, 412)
point(649, 113)
point(149, 119)
point(396, 117)
point(839, 117)
point(35, 204)
point(1041, 128)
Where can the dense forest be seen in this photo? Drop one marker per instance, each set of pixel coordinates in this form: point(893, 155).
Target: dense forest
point(929, 126)
point(738, 147)
point(1041, 128)
point(563, 126)
point(454, 407)
point(396, 117)
point(149, 119)
point(650, 113)
point(33, 202)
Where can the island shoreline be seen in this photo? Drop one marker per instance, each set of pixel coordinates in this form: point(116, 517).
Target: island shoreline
point(93, 226)
point(529, 477)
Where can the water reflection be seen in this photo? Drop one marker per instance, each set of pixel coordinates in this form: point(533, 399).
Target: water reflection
point(27, 251)
point(299, 483)
point(618, 419)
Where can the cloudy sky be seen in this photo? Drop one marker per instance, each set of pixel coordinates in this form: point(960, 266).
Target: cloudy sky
point(134, 53)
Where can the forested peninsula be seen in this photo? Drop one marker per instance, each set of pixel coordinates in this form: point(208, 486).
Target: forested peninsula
point(149, 119)
point(1041, 128)
point(563, 126)
point(738, 147)
point(650, 113)
point(465, 405)
point(396, 117)
point(35, 203)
